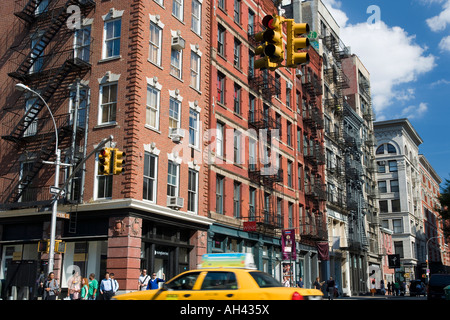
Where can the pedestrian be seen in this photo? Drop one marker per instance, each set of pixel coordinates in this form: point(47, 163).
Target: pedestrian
point(389, 287)
point(396, 288)
point(286, 282)
point(372, 287)
point(382, 288)
point(330, 288)
point(153, 282)
point(317, 284)
point(84, 289)
point(51, 287)
point(93, 287)
point(106, 287)
point(300, 283)
point(74, 286)
point(115, 284)
point(143, 280)
point(40, 285)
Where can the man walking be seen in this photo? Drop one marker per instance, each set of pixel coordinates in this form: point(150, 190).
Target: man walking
point(107, 287)
point(330, 288)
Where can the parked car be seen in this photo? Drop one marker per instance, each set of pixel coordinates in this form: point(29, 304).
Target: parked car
point(436, 286)
point(417, 288)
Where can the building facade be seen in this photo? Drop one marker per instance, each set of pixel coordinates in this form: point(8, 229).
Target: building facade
point(400, 187)
point(436, 246)
point(266, 161)
point(108, 72)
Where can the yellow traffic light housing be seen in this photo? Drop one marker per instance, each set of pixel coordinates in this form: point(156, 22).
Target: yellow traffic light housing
point(104, 161)
point(271, 50)
point(296, 42)
point(274, 38)
point(60, 246)
point(44, 246)
point(118, 162)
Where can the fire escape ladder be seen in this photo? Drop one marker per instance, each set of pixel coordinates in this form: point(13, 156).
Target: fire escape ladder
point(31, 115)
point(19, 186)
point(28, 13)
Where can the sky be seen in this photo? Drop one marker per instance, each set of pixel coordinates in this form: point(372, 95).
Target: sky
point(405, 45)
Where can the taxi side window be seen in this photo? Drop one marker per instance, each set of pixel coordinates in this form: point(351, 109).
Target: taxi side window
point(219, 281)
point(184, 282)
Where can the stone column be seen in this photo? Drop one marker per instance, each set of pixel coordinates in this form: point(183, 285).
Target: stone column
point(124, 251)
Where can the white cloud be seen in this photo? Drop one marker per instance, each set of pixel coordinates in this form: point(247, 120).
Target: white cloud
point(392, 57)
point(440, 22)
point(444, 45)
point(414, 112)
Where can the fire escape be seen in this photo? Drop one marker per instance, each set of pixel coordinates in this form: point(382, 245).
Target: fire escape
point(45, 64)
point(265, 172)
point(313, 224)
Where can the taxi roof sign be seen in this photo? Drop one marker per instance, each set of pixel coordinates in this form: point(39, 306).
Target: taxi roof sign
point(228, 260)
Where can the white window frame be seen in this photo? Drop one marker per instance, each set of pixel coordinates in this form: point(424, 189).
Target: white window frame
point(178, 4)
point(114, 38)
point(196, 21)
point(172, 118)
point(102, 106)
point(155, 45)
point(220, 135)
point(155, 109)
point(175, 177)
point(193, 194)
point(194, 129)
point(150, 179)
point(82, 43)
point(195, 70)
point(176, 65)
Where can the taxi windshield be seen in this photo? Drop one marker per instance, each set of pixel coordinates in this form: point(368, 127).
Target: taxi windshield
point(264, 280)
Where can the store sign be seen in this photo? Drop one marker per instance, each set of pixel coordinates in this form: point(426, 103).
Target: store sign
point(161, 253)
point(394, 261)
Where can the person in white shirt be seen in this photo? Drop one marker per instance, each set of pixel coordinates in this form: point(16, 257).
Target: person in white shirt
point(143, 280)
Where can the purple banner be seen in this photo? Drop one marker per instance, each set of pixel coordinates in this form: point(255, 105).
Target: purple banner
point(288, 244)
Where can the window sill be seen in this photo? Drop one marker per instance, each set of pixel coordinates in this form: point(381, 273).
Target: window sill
point(106, 125)
point(110, 59)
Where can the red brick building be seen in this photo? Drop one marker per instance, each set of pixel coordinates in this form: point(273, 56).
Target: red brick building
point(115, 70)
point(260, 189)
point(103, 68)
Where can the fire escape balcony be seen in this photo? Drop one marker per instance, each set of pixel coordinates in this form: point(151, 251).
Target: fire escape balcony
point(314, 228)
point(264, 83)
point(266, 218)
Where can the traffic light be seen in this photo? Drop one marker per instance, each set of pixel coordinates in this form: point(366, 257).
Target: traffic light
point(44, 246)
point(271, 49)
point(60, 246)
point(296, 42)
point(118, 161)
point(104, 161)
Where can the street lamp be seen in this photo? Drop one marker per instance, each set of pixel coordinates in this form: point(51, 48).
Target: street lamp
point(57, 163)
point(428, 266)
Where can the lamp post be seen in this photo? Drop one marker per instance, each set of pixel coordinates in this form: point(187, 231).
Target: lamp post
point(428, 265)
point(57, 163)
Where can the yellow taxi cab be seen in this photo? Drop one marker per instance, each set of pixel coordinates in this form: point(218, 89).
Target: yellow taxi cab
point(224, 277)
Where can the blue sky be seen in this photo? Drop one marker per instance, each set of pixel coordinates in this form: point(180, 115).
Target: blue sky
point(405, 45)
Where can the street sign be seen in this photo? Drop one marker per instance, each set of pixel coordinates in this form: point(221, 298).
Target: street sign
point(55, 190)
point(63, 215)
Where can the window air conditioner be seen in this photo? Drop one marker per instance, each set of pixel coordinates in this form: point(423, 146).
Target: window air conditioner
point(178, 43)
point(175, 203)
point(176, 134)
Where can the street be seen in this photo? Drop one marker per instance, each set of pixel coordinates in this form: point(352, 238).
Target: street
point(385, 297)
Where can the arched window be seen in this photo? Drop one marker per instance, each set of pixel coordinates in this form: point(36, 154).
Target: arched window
point(386, 147)
point(391, 148)
point(380, 149)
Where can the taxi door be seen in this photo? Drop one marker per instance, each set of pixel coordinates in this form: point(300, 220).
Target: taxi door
point(180, 288)
point(217, 285)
